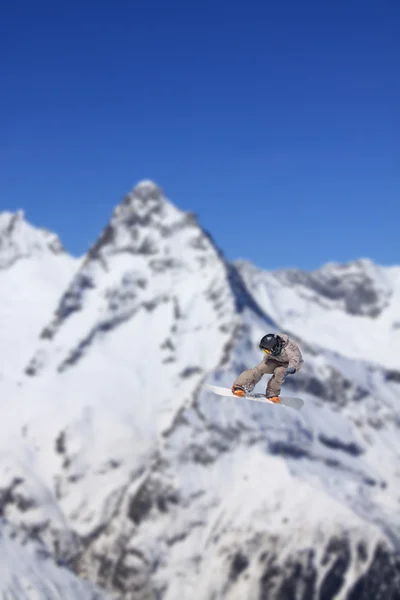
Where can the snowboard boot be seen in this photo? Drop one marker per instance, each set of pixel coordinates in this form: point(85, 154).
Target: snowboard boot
point(237, 390)
point(274, 399)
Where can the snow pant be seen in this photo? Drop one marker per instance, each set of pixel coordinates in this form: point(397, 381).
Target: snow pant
point(249, 378)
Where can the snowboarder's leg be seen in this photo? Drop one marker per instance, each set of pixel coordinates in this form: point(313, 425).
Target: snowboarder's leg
point(274, 384)
point(247, 380)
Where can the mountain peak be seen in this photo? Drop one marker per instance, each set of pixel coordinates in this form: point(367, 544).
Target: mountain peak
point(145, 200)
point(140, 223)
point(153, 258)
point(19, 239)
point(145, 191)
point(147, 187)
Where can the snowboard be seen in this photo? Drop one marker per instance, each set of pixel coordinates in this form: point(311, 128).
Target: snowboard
point(296, 403)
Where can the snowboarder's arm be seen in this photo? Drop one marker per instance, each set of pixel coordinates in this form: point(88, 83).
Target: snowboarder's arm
point(294, 355)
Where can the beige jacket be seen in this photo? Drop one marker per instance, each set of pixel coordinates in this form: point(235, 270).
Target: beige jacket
point(290, 355)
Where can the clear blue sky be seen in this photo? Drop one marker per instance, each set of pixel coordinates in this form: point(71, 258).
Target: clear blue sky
point(278, 123)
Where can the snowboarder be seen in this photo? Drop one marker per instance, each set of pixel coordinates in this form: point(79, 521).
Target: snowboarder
point(283, 358)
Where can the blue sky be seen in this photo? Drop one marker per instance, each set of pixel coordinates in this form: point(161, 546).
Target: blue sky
point(277, 123)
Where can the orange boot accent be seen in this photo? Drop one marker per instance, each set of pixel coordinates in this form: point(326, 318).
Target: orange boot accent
point(275, 399)
point(237, 391)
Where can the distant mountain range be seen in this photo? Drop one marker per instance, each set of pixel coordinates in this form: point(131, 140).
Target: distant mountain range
point(123, 476)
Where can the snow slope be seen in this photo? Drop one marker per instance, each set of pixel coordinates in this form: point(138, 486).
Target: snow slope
point(352, 308)
point(117, 456)
point(28, 572)
point(259, 502)
point(34, 270)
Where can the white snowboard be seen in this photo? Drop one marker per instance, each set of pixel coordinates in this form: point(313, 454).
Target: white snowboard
point(296, 403)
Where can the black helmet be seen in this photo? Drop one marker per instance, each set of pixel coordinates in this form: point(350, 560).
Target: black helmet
point(271, 344)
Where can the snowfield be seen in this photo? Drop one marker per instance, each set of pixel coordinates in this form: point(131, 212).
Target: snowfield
point(118, 461)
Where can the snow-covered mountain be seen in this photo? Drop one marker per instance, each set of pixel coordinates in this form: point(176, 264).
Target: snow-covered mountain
point(351, 308)
point(117, 457)
point(34, 270)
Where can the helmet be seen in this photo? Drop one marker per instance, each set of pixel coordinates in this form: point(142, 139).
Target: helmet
point(271, 344)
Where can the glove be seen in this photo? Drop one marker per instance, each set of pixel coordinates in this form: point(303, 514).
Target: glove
point(290, 371)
